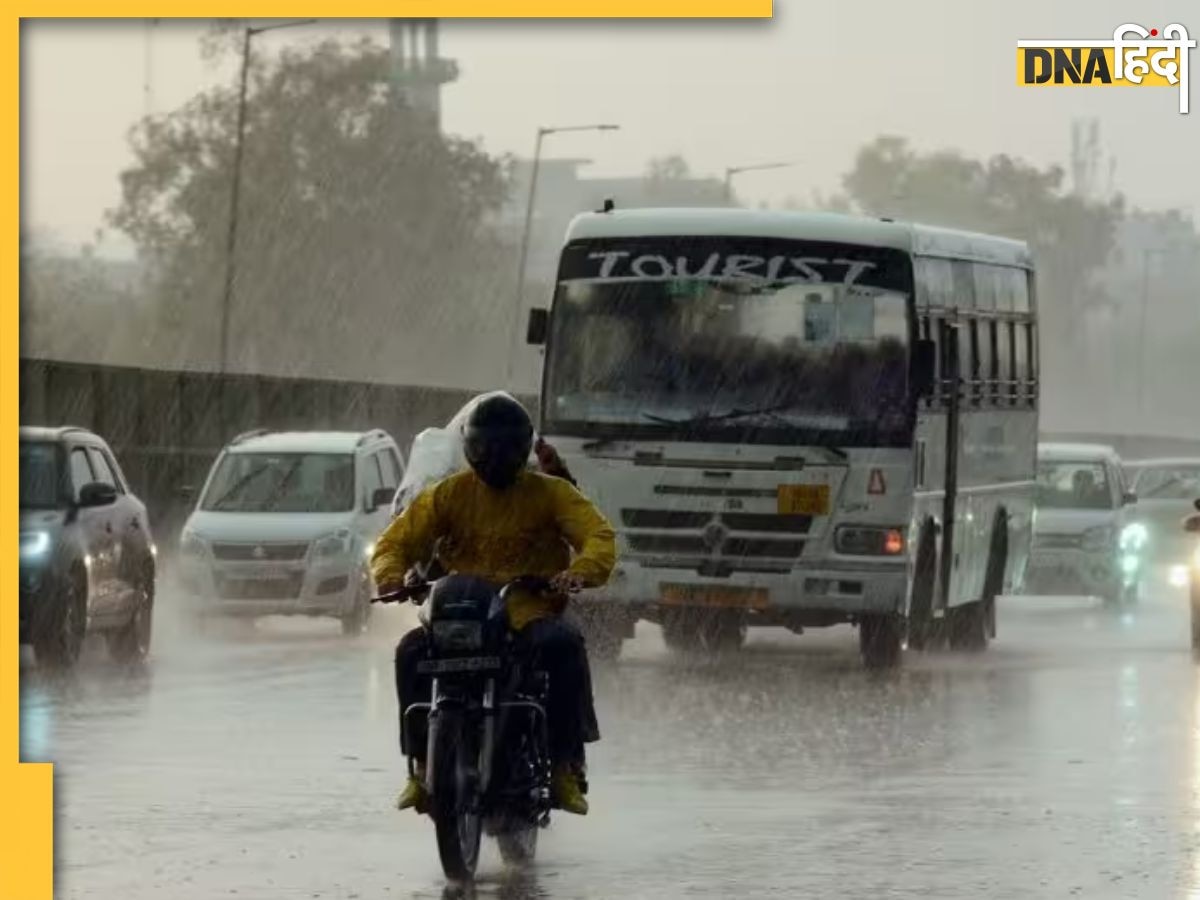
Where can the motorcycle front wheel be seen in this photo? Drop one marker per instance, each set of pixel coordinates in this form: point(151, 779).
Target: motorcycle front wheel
point(455, 793)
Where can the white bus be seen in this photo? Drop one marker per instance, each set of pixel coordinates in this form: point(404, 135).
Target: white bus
point(797, 420)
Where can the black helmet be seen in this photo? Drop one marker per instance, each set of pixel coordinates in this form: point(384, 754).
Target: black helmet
point(497, 440)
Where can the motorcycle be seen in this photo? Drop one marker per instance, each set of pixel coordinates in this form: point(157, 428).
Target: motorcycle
point(1191, 524)
point(488, 762)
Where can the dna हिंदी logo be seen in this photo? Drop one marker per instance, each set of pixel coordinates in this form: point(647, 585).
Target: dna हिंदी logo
point(1135, 57)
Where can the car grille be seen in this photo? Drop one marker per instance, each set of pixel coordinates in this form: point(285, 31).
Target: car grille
point(260, 551)
point(286, 588)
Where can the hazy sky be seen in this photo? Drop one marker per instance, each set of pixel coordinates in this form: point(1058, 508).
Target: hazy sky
point(810, 86)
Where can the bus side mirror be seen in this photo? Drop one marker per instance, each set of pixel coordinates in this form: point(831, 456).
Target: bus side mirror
point(538, 327)
point(924, 361)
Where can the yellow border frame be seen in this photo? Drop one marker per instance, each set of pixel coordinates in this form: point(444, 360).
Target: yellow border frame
point(27, 790)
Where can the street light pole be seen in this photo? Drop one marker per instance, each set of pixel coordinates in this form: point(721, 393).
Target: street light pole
point(737, 170)
point(527, 230)
point(236, 182)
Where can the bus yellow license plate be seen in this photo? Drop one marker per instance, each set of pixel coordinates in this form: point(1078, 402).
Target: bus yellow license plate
point(803, 500)
point(702, 595)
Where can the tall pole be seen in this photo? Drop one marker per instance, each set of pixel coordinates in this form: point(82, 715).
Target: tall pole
point(523, 262)
point(729, 185)
point(1141, 410)
point(524, 255)
point(234, 194)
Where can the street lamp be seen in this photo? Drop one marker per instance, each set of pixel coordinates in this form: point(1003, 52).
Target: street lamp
point(542, 132)
point(236, 181)
point(737, 170)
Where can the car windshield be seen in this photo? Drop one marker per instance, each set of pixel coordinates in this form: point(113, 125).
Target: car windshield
point(1064, 484)
point(39, 475)
point(731, 340)
point(1177, 482)
point(281, 482)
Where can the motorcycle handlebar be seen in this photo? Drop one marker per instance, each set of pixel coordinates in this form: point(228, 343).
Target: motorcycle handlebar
point(534, 583)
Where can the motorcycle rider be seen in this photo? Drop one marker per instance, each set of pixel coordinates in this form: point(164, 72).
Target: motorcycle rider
point(497, 521)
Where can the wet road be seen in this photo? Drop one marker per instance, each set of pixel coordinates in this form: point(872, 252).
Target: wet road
point(1063, 762)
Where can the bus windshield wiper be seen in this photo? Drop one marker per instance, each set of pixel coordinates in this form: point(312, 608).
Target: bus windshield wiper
point(704, 418)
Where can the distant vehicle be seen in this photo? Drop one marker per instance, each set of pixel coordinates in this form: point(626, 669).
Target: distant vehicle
point(1086, 538)
point(87, 559)
point(286, 523)
point(797, 419)
point(1166, 489)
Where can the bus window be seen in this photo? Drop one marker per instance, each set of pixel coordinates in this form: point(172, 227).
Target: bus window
point(987, 281)
point(964, 284)
point(981, 337)
point(1019, 284)
point(968, 374)
point(1007, 281)
point(1004, 363)
point(1032, 337)
point(935, 283)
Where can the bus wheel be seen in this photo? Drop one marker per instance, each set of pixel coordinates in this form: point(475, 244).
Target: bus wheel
point(879, 640)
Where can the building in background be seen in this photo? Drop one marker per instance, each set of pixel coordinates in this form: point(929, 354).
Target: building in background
point(418, 72)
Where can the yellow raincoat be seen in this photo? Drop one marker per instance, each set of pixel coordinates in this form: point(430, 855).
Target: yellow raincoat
point(530, 528)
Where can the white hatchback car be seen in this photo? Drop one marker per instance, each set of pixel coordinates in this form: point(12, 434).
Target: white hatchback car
point(1082, 533)
point(286, 523)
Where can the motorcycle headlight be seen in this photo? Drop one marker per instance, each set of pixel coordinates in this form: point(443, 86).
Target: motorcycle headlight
point(457, 635)
point(34, 545)
point(1134, 537)
point(1097, 538)
point(332, 545)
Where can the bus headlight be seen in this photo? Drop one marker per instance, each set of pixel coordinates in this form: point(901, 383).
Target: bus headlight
point(868, 540)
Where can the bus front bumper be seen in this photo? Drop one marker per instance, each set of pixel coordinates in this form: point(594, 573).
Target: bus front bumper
point(836, 592)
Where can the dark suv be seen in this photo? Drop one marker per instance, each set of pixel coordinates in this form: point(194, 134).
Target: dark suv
point(87, 556)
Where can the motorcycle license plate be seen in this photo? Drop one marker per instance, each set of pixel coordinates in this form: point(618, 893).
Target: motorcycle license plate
point(461, 664)
point(803, 500)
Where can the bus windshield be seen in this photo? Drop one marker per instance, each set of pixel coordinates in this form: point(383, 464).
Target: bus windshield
point(678, 341)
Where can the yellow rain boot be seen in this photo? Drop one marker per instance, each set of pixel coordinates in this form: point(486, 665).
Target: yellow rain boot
point(414, 795)
point(568, 791)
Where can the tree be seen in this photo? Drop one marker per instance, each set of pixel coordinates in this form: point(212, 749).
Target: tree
point(357, 223)
point(1071, 236)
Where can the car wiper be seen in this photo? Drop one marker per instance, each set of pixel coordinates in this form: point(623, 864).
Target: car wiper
point(238, 486)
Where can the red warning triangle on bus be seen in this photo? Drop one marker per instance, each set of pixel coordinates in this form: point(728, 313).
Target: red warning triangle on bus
point(876, 484)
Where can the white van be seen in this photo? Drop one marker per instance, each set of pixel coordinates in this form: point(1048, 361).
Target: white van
point(1084, 525)
point(286, 523)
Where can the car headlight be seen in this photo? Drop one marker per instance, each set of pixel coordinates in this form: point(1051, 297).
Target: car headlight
point(192, 546)
point(332, 545)
point(1097, 538)
point(34, 544)
point(1134, 537)
point(457, 635)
